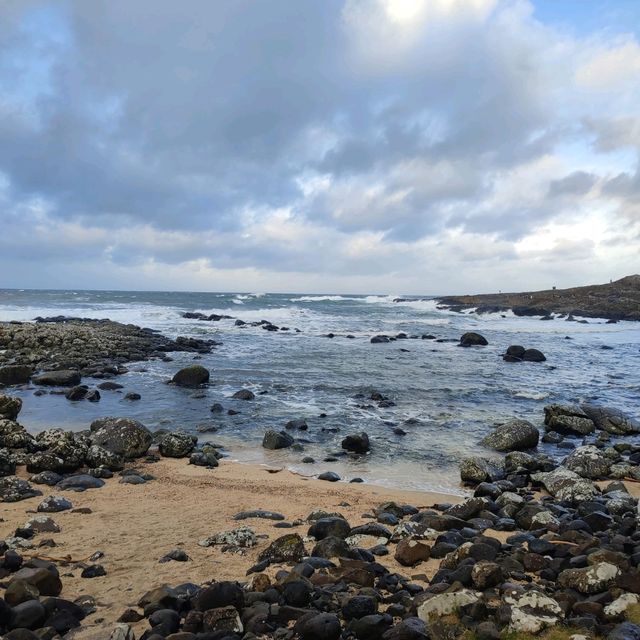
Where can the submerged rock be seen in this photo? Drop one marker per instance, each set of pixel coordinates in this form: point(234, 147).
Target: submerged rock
point(191, 377)
point(472, 339)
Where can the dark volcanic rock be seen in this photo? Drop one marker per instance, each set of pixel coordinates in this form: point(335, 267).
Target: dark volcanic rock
point(10, 407)
point(611, 420)
point(533, 355)
point(287, 548)
point(472, 339)
point(276, 439)
point(192, 376)
point(63, 378)
point(244, 394)
point(358, 443)
point(122, 436)
point(15, 374)
point(515, 435)
point(177, 444)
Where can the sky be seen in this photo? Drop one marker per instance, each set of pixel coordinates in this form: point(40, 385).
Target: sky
point(345, 146)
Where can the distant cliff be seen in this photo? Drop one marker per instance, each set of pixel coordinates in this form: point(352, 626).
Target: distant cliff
point(619, 300)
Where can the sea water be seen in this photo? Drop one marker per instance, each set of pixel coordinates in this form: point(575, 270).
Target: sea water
point(455, 395)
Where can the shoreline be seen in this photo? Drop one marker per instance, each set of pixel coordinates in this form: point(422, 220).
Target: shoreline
point(135, 525)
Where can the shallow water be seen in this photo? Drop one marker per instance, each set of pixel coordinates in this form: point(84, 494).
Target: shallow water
point(456, 394)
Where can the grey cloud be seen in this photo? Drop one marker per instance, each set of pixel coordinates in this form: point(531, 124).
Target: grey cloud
point(575, 184)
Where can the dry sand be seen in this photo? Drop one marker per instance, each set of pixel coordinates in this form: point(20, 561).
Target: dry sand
point(135, 525)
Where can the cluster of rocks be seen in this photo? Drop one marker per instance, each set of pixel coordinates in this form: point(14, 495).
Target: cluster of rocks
point(82, 460)
point(64, 350)
point(214, 317)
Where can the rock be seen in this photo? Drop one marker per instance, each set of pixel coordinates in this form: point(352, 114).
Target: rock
point(407, 629)
point(331, 526)
point(625, 631)
point(611, 420)
point(218, 595)
point(20, 591)
point(533, 355)
point(54, 504)
point(514, 353)
point(588, 462)
point(110, 386)
point(589, 580)
point(15, 374)
point(50, 478)
point(566, 485)
point(329, 476)
point(276, 439)
point(475, 470)
point(93, 571)
point(132, 396)
point(61, 378)
point(244, 394)
point(98, 456)
point(358, 443)
point(287, 548)
point(515, 435)
point(486, 574)
point(28, 615)
point(259, 513)
point(204, 459)
point(13, 489)
point(42, 524)
point(122, 632)
point(616, 609)
point(222, 619)
point(241, 538)
point(46, 581)
point(10, 407)
point(446, 603)
point(191, 377)
point(472, 339)
point(300, 424)
point(532, 612)
point(7, 463)
point(80, 482)
point(177, 444)
point(411, 552)
point(571, 425)
point(123, 436)
point(77, 393)
point(318, 626)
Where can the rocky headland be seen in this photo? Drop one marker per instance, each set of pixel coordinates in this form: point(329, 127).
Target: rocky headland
point(619, 300)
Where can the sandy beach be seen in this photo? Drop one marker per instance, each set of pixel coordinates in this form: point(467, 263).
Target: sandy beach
point(135, 525)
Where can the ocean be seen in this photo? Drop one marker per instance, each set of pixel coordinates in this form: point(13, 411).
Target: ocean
point(446, 397)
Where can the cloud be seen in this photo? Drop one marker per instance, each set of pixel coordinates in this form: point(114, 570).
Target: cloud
point(364, 141)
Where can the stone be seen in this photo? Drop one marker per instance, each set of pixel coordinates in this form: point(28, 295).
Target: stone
point(475, 470)
point(46, 581)
point(244, 394)
point(222, 619)
point(611, 420)
point(218, 595)
point(515, 435)
point(318, 626)
point(357, 443)
point(472, 339)
point(589, 580)
point(7, 463)
point(28, 615)
point(531, 612)
point(411, 552)
point(10, 407)
point(287, 548)
point(485, 574)
point(14, 489)
point(177, 444)
point(42, 524)
point(80, 482)
point(98, 456)
point(122, 436)
point(242, 537)
point(329, 476)
point(446, 603)
point(533, 355)
point(54, 504)
point(589, 462)
point(61, 378)
point(331, 526)
point(276, 439)
point(191, 377)
point(566, 485)
point(11, 374)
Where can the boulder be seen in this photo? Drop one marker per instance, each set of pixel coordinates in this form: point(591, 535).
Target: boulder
point(472, 339)
point(515, 435)
point(13, 489)
point(531, 612)
point(444, 604)
point(611, 420)
point(244, 394)
point(61, 378)
point(475, 470)
point(191, 377)
point(287, 548)
point(177, 445)
point(533, 355)
point(357, 442)
point(589, 580)
point(411, 552)
point(276, 439)
point(589, 462)
point(566, 485)
point(7, 463)
point(123, 436)
point(12, 374)
point(9, 407)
